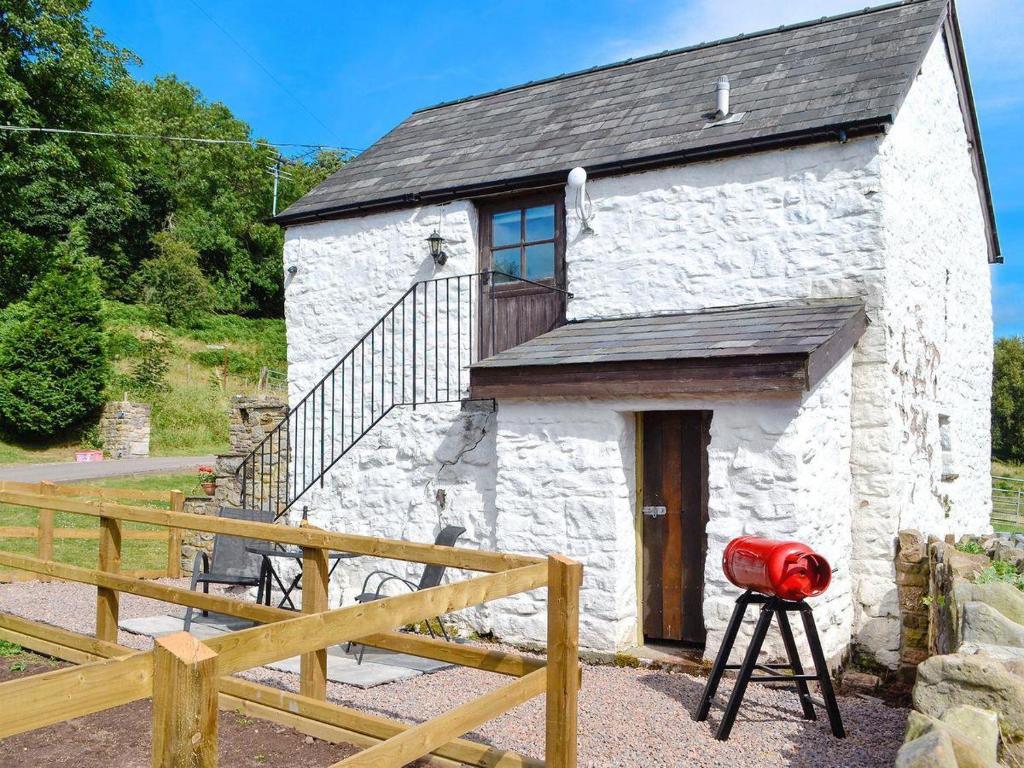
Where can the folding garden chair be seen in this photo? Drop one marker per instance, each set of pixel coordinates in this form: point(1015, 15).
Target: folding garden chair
point(230, 563)
point(431, 577)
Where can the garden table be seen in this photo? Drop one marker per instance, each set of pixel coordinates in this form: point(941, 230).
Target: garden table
point(270, 552)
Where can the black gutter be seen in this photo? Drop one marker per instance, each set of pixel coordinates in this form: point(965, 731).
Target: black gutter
point(960, 73)
point(835, 132)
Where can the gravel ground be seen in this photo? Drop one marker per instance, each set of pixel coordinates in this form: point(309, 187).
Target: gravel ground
point(633, 718)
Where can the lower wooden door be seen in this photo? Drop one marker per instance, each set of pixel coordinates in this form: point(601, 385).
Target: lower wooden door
point(674, 519)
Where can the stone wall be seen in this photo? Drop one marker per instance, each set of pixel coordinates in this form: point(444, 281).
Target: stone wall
point(912, 588)
point(251, 419)
point(930, 350)
point(124, 429)
point(969, 694)
point(193, 542)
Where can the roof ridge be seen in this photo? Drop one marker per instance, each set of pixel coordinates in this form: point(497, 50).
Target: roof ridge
point(675, 51)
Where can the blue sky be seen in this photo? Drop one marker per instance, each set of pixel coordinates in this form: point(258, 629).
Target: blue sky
point(343, 73)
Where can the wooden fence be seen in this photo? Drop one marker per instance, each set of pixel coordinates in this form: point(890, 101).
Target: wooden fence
point(188, 679)
point(44, 532)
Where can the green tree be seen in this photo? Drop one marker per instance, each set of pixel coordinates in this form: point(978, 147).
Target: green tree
point(172, 283)
point(1008, 400)
point(58, 71)
point(53, 366)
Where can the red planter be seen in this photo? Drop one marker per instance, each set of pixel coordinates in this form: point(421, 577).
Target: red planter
point(209, 488)
point(787, 569)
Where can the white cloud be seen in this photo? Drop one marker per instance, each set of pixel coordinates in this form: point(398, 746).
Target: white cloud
point(705, 20)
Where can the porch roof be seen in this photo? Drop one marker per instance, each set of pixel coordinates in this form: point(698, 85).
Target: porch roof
point(781, 347)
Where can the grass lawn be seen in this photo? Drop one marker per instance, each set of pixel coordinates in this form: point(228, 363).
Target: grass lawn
point(136, 555)
point(13, 451)
point(1002, 469)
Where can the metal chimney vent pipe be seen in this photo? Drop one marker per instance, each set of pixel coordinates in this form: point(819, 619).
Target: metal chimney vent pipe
point(722, 98)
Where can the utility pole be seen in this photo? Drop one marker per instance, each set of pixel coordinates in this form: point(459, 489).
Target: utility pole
point(277, 177)
point(275, 171)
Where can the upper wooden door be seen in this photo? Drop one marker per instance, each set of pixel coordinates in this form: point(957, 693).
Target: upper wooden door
point(524, 238)
point(674, 518)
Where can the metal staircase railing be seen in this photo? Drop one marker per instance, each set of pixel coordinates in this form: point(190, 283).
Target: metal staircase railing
point(417, 353)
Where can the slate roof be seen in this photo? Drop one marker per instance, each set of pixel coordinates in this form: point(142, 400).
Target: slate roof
point(798, 83)
point(789, 328)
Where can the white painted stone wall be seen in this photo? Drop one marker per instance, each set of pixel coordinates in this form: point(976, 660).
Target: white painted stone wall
point(883, 219)
point(778, 467)
point(419, 469)
point(937, 319)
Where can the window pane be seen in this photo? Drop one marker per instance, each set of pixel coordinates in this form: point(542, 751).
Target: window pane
point(506, 261)
point(540, 223)
point(540, 261)
point(506, 228)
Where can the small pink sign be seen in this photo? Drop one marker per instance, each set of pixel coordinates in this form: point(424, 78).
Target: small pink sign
point(88, 455)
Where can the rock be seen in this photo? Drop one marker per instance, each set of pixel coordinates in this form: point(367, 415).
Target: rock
point(945, 682)
point(860, 682)
point(965, 565)
point(933, 750)
point(1005, 598)
point(978, 726)
point(967, 754)
point(1010, 554)
point(984, 624)
point(912, 546)
point(1004, 653)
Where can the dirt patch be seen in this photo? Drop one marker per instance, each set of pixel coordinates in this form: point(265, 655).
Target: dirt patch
point(120, 737)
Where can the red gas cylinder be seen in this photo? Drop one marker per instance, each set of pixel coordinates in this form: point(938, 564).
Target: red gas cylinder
point(786, 569)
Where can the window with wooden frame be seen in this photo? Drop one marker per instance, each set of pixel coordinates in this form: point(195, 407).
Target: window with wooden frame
point(524, 238)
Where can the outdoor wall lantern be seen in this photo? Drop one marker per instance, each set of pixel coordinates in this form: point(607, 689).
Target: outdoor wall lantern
point(436, 243)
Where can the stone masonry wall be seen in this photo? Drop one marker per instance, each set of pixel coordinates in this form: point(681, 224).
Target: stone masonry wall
point(124, 429)
point(250, 420)
point(194, 542)
point(912, 588)
point(779, 467)
point(935, 367)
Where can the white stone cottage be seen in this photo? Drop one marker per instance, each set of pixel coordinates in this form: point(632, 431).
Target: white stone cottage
point(778, 322)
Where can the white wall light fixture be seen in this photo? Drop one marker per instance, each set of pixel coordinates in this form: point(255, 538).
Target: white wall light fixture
point(584, 207)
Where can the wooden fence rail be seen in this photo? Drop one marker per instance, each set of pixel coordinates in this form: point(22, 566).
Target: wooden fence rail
point(184, 676)
point(45, 532)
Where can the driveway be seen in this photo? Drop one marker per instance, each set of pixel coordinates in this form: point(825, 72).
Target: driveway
point(70, 471)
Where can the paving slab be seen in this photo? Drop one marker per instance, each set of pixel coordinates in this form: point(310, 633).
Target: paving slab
point(378, 667)
point(203, 627)
point(347, 671)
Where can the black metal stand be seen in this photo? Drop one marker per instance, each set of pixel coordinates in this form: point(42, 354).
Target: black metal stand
point(771, 606)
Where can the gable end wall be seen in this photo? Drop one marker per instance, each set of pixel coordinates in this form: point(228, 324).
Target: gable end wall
point(936, 316)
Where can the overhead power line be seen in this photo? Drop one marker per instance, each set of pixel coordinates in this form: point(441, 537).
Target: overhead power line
point(260, 64)
point(159, 137)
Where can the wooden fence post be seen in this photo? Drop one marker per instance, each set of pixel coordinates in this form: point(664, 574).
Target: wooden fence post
point(110, 560)
point(174, 538)
point(564, 579)
point(313, 666)
point(44, 532)
point(184, 703)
